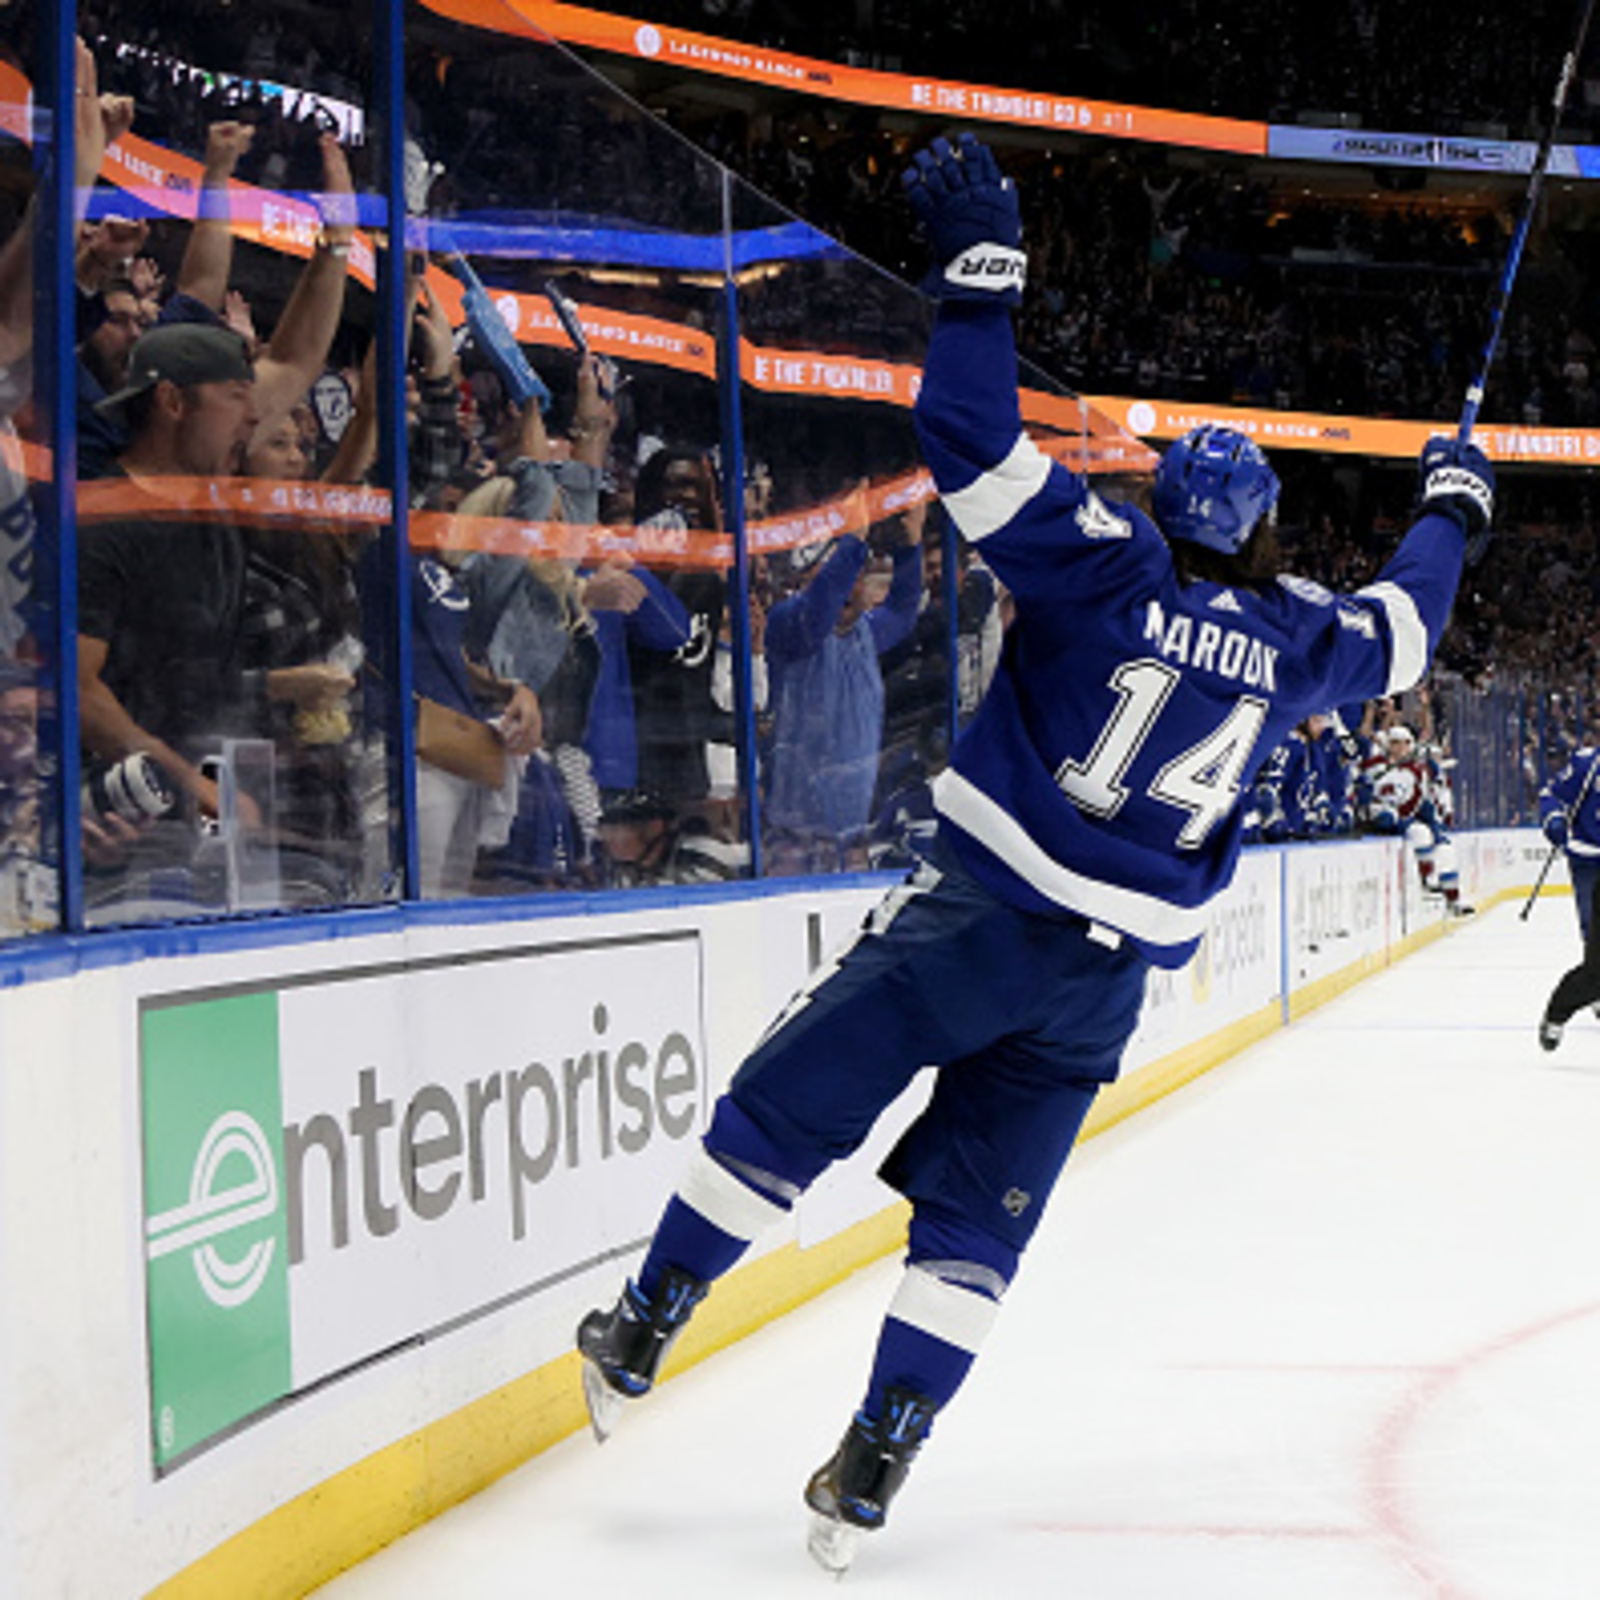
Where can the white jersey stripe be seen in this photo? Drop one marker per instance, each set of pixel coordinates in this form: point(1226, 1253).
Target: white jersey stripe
point(992, 499)
point(1142, 915)
point(943, 1310)
point(1410, 658)
point(709, 1188)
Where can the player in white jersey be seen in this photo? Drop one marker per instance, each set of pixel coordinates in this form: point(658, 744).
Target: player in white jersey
point(1089, 813)
point(1408, 795)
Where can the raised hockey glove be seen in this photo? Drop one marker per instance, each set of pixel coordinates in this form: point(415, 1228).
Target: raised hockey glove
point(1555, 827)
point(972, 220)
point(1456, 480)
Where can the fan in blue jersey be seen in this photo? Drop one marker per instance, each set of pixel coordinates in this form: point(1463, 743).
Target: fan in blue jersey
point(1268, 820)
point(1331, 749)
point(1569, 813)
point(1301, 789)
point(1090, 812)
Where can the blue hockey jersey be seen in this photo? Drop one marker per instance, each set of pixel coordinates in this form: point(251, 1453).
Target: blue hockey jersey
point(1103, 772)
point(1575, 791)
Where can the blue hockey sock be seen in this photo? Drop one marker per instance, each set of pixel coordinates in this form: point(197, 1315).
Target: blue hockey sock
point(738, 1185)
point(686, 1239)
point(945, 1305)
point(930, 1338)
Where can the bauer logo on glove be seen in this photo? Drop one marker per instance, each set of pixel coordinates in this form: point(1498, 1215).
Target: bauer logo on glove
point(989, 267)
point(1457, 480)
point(972, 220)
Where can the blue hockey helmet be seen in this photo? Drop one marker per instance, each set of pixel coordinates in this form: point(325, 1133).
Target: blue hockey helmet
point(1213, 486)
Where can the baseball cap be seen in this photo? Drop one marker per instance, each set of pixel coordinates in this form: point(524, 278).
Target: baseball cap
point(183, 353)
point(635, 805)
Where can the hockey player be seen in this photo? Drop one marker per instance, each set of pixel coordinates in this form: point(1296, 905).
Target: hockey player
point(1089, 813)
point(1303, 790)
point(1335, 772)
point(1569, 813)
point(1407, 793)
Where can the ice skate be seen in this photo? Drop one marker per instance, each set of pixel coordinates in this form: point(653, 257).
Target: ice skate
point(1549, 1033)
point(850, 1494)
point(623, 1348)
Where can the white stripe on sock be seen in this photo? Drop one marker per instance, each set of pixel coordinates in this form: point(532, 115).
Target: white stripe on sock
point(709, 1188)
point(943, 1310)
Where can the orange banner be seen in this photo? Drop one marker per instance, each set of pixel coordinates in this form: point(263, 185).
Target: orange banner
point(169, 182)
point(626, 336)
point(350, 508)
point(809, 372)
point(16, 104)
point(674, 547)
point(1353, 436)
point(340, 507)
point(623, 335)
point(699, 52)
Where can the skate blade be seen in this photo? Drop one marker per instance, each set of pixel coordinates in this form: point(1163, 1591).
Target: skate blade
point(603, 1401)
point(832, 1544)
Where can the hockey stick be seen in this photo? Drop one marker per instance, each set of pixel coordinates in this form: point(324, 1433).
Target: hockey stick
point(1556, 849)
point(1538, 883)
point(1508, 275)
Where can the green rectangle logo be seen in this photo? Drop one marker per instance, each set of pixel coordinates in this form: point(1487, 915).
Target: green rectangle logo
point(216, 1234)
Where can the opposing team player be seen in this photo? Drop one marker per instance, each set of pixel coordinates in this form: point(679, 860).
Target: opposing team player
point(1090, 812)
point(1569, 813)
point(1409, 796)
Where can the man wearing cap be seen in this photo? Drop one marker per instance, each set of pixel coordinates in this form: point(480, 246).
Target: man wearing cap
point(645, 841)
point(161, 590)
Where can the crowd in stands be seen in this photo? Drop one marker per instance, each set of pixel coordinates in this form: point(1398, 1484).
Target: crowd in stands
point(575, 719)
point(1200, 282)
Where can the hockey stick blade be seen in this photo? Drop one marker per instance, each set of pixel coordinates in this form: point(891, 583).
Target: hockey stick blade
point(603, 1401)
point(832, 1544)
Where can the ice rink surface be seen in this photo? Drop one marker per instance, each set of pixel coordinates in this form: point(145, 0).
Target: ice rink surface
point(1322, 1326)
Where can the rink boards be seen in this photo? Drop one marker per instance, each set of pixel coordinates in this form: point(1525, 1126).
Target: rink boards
point(294, 1237)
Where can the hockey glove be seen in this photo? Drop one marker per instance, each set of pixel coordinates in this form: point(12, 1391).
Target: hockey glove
point(1555, 827)
point(1457, 481)
point(973, 222)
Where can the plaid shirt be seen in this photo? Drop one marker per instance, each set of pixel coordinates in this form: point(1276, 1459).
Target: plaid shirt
point(436, 443)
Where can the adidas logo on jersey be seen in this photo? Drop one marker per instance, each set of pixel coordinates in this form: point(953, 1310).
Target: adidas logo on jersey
point(1227, 601)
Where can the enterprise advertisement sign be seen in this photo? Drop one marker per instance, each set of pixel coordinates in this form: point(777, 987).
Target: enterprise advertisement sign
point(343, 1165)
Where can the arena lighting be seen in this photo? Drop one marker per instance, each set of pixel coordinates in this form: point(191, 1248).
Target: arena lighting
point(619, 275)
point(652, 280)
